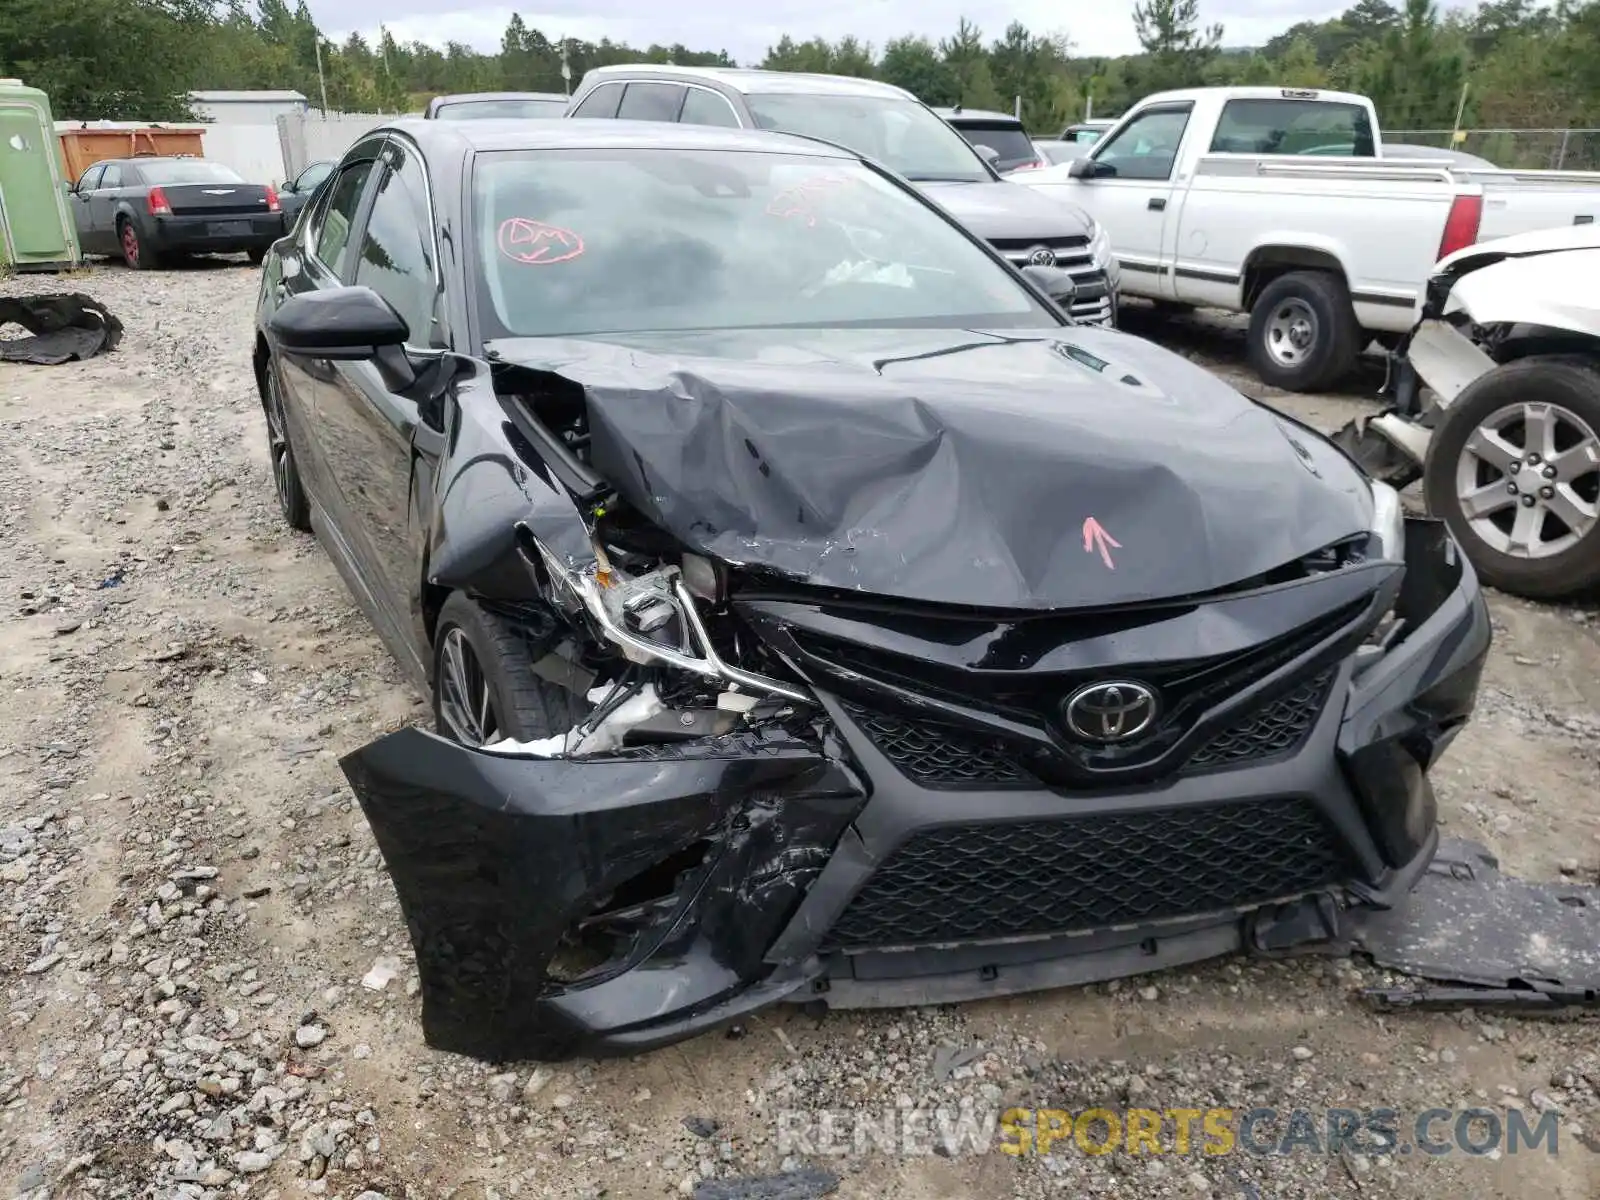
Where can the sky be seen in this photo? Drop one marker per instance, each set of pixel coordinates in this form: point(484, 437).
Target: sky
point(745, 28)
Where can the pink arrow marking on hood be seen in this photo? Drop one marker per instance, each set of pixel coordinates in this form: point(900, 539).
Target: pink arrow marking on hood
point(1095, 538)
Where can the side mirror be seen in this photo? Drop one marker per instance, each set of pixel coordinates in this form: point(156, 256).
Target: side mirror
point(989, 153)
point(345, 323)
point(1089, 168)
point(286, 186)
point(1053, 282)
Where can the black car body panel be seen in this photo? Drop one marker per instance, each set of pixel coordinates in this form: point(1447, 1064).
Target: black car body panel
point(920, 464)
point(921, 816)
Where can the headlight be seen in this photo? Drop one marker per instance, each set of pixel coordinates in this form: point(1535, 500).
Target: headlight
point(1388, 521)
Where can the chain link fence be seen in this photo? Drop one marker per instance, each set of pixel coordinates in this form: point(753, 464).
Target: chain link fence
point(1514, 149)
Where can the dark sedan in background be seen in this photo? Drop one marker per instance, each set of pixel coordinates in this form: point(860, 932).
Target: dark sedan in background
point(811, 610)
point(146, 209)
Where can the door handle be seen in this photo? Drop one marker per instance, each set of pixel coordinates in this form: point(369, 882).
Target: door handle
point(1156, 204)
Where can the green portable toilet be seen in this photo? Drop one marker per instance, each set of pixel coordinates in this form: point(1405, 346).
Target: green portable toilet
point(36, 228)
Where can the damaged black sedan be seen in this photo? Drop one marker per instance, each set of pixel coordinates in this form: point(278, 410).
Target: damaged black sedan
point(811, 611)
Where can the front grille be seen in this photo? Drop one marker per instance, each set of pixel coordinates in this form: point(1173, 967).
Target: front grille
point(978, 882)
point(1275, 728)
point(941, 756)
point(1189, 688)
point(1072, 253)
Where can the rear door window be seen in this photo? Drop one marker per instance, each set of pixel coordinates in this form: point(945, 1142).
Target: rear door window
point(651, 102)
point(602, 102)
point(701, 107)
point(1010, 141)
point(1280, 126)
point(338, 215)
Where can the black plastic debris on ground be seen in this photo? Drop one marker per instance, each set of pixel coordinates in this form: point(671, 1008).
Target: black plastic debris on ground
point(1481, 938)
point(63, 328)
point(805, 1184)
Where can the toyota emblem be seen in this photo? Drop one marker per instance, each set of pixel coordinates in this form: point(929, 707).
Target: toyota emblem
point(1042, 257)
point(1111, 712)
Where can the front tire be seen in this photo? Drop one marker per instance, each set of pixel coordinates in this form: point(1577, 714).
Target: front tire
point(484, 685)
point(1514, 470)
point(256, 257)
point(1303, 332)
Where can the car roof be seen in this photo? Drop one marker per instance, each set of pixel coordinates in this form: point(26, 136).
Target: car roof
point(469, 97)
point(511, 133)
point(976, 114)
point(752, 82)
point(139, 159)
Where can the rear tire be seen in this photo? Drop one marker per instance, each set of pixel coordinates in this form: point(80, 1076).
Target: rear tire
point(1303, 332)
point(1502, 416)
point(135, 252)
point(256, 257)
point(484, 685)
point(292, 500)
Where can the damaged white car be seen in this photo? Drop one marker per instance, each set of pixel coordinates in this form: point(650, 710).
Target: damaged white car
point(1507, 443)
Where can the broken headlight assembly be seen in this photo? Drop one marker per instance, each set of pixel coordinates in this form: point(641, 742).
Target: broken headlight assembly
point(653, 618)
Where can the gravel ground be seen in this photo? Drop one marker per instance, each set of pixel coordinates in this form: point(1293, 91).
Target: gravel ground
point(208, 988)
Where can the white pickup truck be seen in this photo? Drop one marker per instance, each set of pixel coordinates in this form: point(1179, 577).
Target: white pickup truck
point(1280, 202)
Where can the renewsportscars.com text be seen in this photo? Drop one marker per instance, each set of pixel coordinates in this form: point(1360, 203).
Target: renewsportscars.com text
point(972, 1129)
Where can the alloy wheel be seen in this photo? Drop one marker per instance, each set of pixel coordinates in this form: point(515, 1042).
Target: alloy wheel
point(1528, 480)
point(130, 244)
point(278, 441)
point(466, 705)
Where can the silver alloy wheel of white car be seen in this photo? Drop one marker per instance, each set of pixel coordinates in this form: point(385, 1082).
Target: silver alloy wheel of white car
point(1291, 332)
point(1527, 457)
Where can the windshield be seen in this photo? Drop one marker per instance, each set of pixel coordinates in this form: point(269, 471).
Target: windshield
point(901, 134)
point(633, 240)
point(1008, 140)
point(488, 110)
point(159, 172)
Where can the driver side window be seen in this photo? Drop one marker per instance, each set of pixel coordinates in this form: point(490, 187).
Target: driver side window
point(1147, 147)
point(91, 178)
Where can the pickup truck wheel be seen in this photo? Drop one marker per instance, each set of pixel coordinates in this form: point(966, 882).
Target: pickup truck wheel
point(1514, 470)
point(1303, 332)
point(484, 686)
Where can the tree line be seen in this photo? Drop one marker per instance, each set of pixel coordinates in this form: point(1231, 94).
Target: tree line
point(1527, 65)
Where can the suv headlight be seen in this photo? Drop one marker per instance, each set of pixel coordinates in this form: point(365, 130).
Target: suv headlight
point(1388, 521)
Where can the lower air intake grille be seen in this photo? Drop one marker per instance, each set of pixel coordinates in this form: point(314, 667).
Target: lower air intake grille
point(1276, 728)
point(978, 882)
point(940, 756)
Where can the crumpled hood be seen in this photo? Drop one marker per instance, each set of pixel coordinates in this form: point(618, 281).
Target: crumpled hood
point(1008, 210)
point(1045, 470)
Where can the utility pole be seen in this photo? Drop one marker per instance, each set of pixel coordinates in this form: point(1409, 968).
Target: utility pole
point(322, 84)
point(566, 70)
point(1461, 106)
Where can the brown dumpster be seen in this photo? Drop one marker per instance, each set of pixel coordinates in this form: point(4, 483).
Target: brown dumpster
point(83, 147)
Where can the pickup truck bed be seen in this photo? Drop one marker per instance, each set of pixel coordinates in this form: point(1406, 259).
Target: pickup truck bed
point(1326, 247)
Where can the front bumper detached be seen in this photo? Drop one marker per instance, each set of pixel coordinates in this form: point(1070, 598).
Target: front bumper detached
point(863, 866)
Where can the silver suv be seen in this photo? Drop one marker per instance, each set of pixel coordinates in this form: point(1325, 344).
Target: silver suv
point(886, 124)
